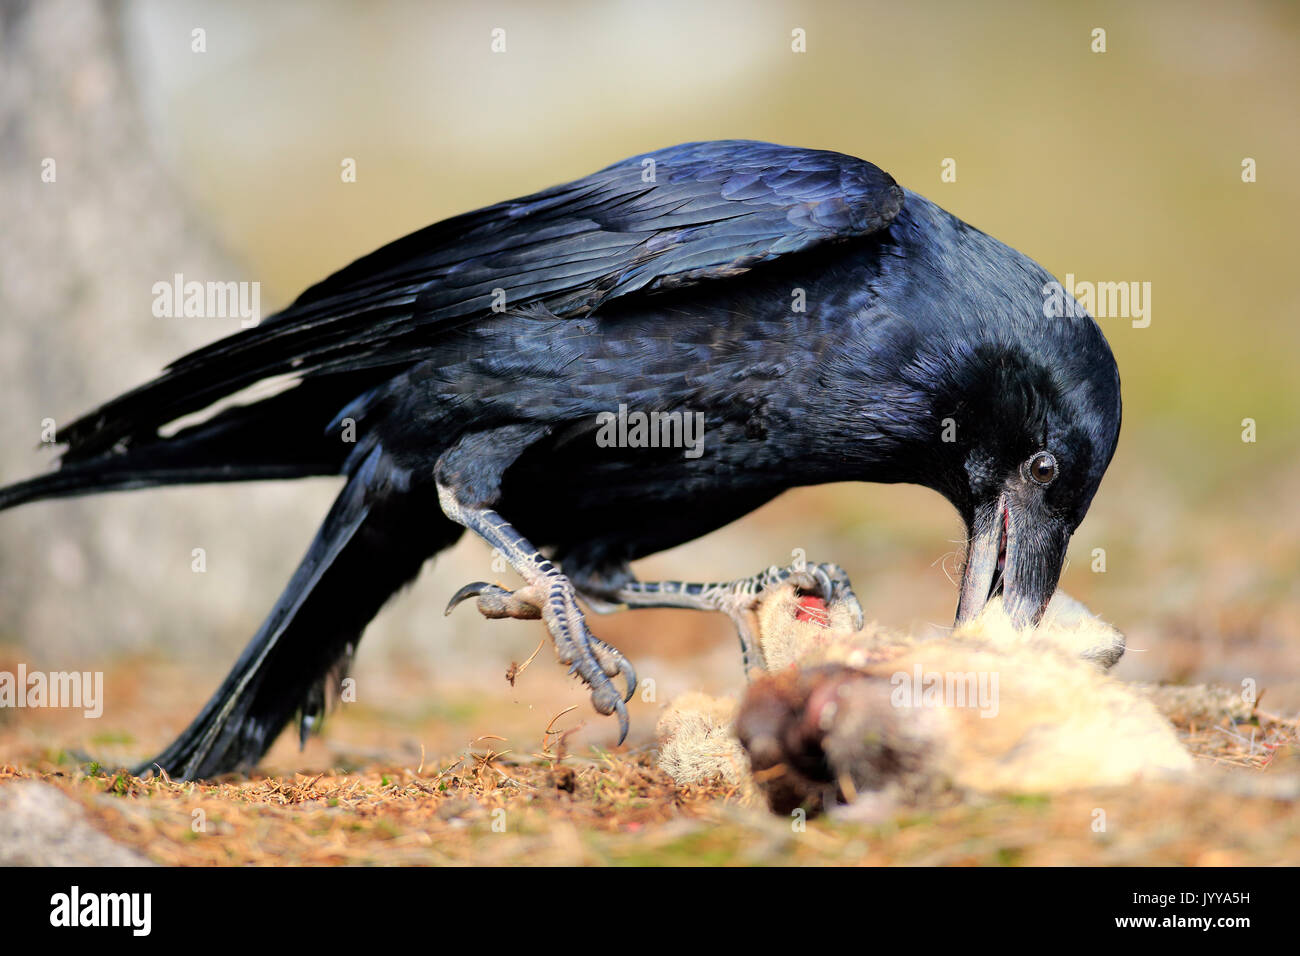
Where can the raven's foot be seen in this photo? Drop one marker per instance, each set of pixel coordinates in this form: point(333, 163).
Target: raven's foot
point(468, 478)
point(739, 599)
point(556, 603)
point(525, 604)
point(495, 602)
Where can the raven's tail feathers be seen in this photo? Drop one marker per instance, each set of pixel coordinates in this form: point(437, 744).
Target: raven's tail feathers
point(95, 477)
point(283, 436)
point(374, 541)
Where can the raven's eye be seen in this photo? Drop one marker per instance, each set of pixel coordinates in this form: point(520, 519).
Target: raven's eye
point(1042, 467)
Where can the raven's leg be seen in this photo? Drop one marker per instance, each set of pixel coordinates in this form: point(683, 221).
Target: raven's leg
point(737, 599)
point(469, 481)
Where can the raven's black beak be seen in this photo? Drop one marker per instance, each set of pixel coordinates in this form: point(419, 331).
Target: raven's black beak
point(1016, 549)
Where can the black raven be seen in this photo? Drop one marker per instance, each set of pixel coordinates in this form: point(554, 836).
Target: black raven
point(826, 324)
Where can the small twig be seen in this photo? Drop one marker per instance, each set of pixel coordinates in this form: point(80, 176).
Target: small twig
point(549, 731)
point(454, 764)
point(512, 674)
point(546, 753)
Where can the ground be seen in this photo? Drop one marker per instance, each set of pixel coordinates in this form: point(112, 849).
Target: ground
point(486, 805)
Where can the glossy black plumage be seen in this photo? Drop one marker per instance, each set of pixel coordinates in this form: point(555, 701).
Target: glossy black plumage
point(829, 325)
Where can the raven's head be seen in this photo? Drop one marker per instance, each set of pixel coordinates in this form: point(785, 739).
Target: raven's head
point(971, 386)
point(1009, 408)
point(1040, 421)
point(1015, 428)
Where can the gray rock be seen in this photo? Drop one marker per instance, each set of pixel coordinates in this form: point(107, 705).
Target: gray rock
point(39, 826)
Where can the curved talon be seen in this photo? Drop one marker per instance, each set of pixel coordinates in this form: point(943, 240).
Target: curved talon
point(623, 723)
point(620, 711)
point(473, 589)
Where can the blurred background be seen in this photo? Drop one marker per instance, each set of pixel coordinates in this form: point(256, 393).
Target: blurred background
point(224, 163)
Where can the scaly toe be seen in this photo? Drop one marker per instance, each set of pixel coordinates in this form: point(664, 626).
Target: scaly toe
point(495, 602)
point(604, 697)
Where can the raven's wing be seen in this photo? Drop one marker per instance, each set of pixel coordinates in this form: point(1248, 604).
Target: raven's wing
point(691, 213)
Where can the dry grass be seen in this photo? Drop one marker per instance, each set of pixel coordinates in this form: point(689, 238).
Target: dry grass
point(486, 806)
